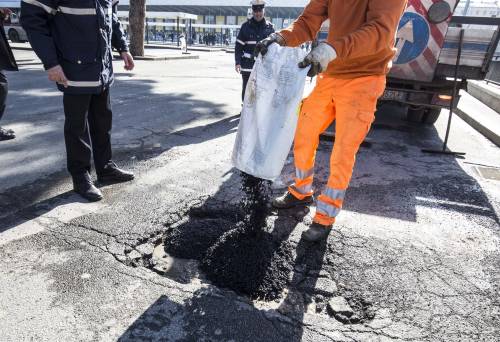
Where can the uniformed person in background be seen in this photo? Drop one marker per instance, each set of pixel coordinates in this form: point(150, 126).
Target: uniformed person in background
point(73, 39)
point(254, 30)
point(7, 62)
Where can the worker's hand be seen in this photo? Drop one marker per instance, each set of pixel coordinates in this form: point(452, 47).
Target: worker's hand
point(5, 12)
point(128, 60)
point(238, 68)
point(56, 74)
point(263, 45)
point(319, 58)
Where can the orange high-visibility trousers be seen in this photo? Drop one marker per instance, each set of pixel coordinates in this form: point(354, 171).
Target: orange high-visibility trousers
point(352, 103)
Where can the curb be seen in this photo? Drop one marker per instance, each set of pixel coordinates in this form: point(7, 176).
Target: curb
point(486, 94)
point(478, 126)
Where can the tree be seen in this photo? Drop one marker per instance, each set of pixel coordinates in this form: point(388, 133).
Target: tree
point(136, 19)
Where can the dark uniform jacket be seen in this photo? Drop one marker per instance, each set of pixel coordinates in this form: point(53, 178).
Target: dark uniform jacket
point(7, 60)
point(250, 34)
point(78, 35)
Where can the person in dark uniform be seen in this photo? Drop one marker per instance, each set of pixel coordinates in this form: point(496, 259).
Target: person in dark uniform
point(254, 30)
point(74, 41)
point(7, 62)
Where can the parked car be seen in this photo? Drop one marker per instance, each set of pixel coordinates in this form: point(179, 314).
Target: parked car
point(12, 27)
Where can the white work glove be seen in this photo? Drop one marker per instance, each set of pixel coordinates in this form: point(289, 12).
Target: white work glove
point(319, 58)
point(263, 46)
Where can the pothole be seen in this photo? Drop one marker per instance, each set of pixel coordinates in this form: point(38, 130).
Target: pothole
point(250, 262)
point(235, 247)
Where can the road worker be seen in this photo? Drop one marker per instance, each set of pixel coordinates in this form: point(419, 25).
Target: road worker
point(252, 31)
point(73, 39)
point(351, 65)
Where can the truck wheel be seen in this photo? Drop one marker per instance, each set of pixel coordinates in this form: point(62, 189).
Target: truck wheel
point(415, 114)
point(14, 36)
point(431, 115)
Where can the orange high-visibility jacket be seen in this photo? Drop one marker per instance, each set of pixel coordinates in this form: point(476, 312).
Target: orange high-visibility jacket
point(363, 33)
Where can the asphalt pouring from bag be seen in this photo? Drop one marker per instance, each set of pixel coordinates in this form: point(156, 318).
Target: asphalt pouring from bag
point(240, 256)
point(248, 259)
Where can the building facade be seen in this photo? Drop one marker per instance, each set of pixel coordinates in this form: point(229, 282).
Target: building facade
point(219, 18)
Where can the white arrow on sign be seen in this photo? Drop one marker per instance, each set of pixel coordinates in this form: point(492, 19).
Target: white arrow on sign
point(405, 34)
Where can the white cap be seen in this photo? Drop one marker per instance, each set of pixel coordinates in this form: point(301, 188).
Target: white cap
point(258, 2)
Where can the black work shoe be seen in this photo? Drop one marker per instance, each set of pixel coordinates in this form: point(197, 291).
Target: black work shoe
point(83, 185)
point(112, 174)
point(6, 134)
point(317, 232)
point(288, 201)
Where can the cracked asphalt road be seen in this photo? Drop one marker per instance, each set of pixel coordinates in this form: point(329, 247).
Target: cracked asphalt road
point(415, 254)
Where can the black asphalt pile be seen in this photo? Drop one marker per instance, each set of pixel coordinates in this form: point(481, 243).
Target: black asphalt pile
point(192, 239)
point(250, 262)
point(248, 259)
point(234, 248)
point(205, 225)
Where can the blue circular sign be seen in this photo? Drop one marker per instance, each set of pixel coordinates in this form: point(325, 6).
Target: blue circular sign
point(412, 38)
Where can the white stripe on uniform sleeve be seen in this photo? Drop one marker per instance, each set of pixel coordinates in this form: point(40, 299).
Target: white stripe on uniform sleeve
point(77, 11)
point(48, 9)
point(84, 84)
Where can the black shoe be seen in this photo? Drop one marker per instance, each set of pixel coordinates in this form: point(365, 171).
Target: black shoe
point(317, 232)
point(112, 174)
point(83, 185)
point(288, 201)
point(6, 134)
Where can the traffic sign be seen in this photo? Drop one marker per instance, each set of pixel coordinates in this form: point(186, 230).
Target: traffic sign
point(412, 38)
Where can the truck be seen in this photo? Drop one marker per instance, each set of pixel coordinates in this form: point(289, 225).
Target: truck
point(12, 26)
point(437, 53)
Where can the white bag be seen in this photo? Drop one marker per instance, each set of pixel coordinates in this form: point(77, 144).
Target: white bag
point(270, 112)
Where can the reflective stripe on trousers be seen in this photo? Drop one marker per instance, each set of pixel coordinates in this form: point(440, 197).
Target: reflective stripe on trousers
point(329, 206)
point(303, 190)
point(300, 174)
point(302, 187)
point(327, 209)
point(334, 194)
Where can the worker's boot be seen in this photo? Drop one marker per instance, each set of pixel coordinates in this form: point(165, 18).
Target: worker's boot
point(112, 174)
point(317, 232)
point(83, 185)
point(288, 201)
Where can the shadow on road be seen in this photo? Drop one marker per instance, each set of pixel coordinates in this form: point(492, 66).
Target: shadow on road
point(215, 314)
point(146, 124)
point(394, 179)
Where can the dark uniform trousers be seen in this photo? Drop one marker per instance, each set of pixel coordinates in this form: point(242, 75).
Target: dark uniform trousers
point(4, 89)
point(87, 131)
point(245, 76)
